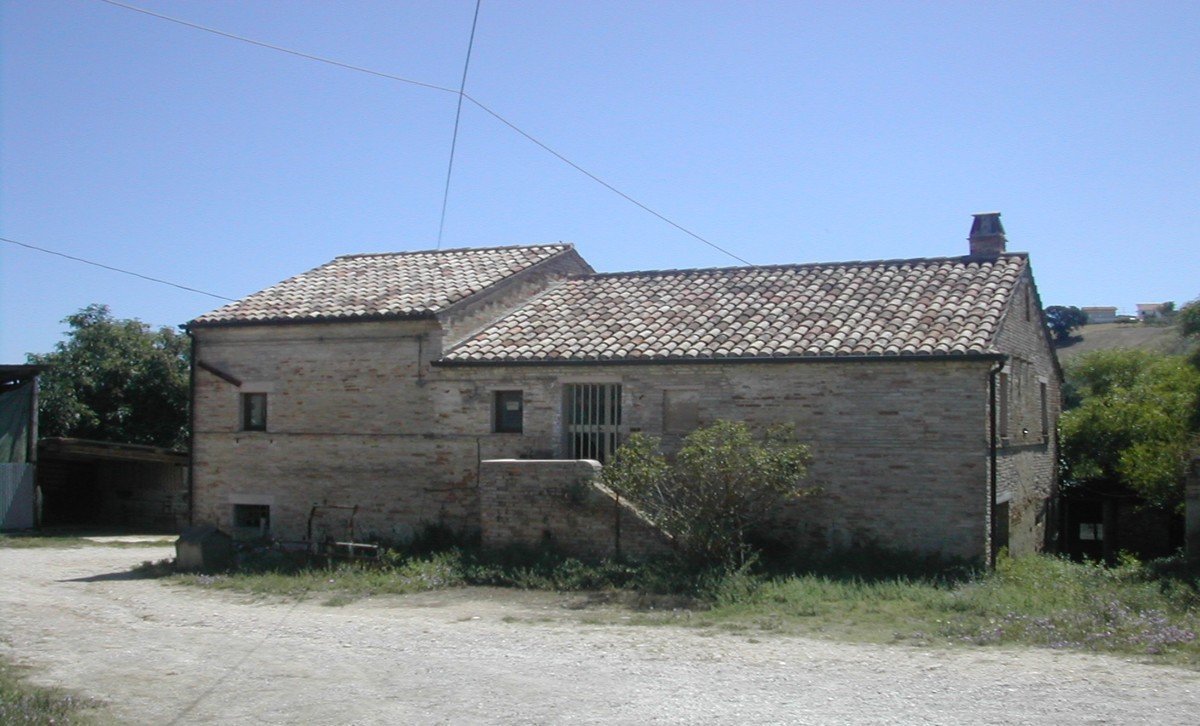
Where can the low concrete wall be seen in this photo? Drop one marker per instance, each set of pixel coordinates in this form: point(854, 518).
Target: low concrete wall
point(563, 504)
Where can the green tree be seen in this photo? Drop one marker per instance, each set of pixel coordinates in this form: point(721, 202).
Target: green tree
point(1133, 424)
point(723, 483)
point(1062, 320)
point(115, 380)
point(1188, 319)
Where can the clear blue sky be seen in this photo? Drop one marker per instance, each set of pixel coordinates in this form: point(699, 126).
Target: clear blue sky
point(785, 132)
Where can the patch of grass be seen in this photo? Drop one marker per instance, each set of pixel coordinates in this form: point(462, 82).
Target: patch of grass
point(273, 573)
point(1052, 602)
point(63, 541)
point(151, 569)
point(22, 703)
point(1036, 600)
point(1148, 609)
point(13, 541)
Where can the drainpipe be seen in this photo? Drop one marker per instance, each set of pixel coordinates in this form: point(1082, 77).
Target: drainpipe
point(191, 470)
point(993, 445)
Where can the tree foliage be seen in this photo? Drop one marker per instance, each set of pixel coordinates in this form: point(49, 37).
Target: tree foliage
point(1188, 319)
point(1134, 422)
point(1063, 319)
point(722, 484)
point(115, 380)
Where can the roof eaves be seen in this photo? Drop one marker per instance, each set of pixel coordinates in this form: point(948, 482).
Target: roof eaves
point(317, 320)
point(675, 360)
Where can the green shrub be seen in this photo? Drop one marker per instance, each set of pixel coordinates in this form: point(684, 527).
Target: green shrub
point(722, 485)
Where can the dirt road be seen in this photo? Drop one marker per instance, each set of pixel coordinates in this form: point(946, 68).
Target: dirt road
point(161, 654)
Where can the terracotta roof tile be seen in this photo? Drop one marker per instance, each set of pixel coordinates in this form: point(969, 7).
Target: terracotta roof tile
point(394, 285)
point(886, 308)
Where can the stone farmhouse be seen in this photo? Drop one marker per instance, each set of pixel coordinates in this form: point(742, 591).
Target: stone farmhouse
point(469, 387)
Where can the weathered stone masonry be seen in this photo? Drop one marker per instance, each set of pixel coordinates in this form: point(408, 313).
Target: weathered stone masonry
point(381, 377)
point(899, 449)
point(562, 504)
point(1028, 447)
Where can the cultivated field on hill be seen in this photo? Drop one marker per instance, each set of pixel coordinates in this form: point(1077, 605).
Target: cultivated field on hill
point(1106, 336)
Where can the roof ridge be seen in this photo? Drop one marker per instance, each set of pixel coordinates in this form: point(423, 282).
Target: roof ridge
point(799, 265)
point(559, 245)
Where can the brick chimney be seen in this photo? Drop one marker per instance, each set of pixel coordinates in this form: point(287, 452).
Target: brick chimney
point(987, 235)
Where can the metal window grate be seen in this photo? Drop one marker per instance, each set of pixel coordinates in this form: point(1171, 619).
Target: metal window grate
point(593, 420)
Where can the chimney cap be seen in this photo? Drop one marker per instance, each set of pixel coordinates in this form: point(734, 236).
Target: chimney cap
point(987, 236)
point(986, 224)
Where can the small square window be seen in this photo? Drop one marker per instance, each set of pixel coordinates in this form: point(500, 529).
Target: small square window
point(681, 411)
point(252, 516)
point(508, 412)
point(254, 412)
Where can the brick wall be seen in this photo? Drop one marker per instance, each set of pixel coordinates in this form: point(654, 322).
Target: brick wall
point(350, 421)
point(1027, 457)
point(561, 503)
point(900, 447)
point(357, 415)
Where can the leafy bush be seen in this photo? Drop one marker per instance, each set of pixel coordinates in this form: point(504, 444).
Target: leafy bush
point(721, 485)
point(1134, 423)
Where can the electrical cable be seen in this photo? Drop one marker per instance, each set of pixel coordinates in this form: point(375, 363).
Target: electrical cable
point(462, 94)
point(281, 49)
point(115, 269)
point(601, 182)
point(457, 115)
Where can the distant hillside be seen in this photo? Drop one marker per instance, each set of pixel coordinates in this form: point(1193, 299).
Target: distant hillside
point(1105, 336)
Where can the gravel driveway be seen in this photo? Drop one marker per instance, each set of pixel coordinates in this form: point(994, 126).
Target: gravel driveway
point(162, 654)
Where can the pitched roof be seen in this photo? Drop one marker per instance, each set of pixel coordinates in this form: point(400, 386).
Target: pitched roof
point(374, 286)
point(936, 306)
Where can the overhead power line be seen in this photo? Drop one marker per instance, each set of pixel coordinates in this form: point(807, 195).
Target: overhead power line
point(462, 95)
point(279, 48)
point(601, 182)
point(115, 269)
point(457, 115)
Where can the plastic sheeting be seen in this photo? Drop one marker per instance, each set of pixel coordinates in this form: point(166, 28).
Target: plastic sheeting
point(16, 408)
point(16, 496)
